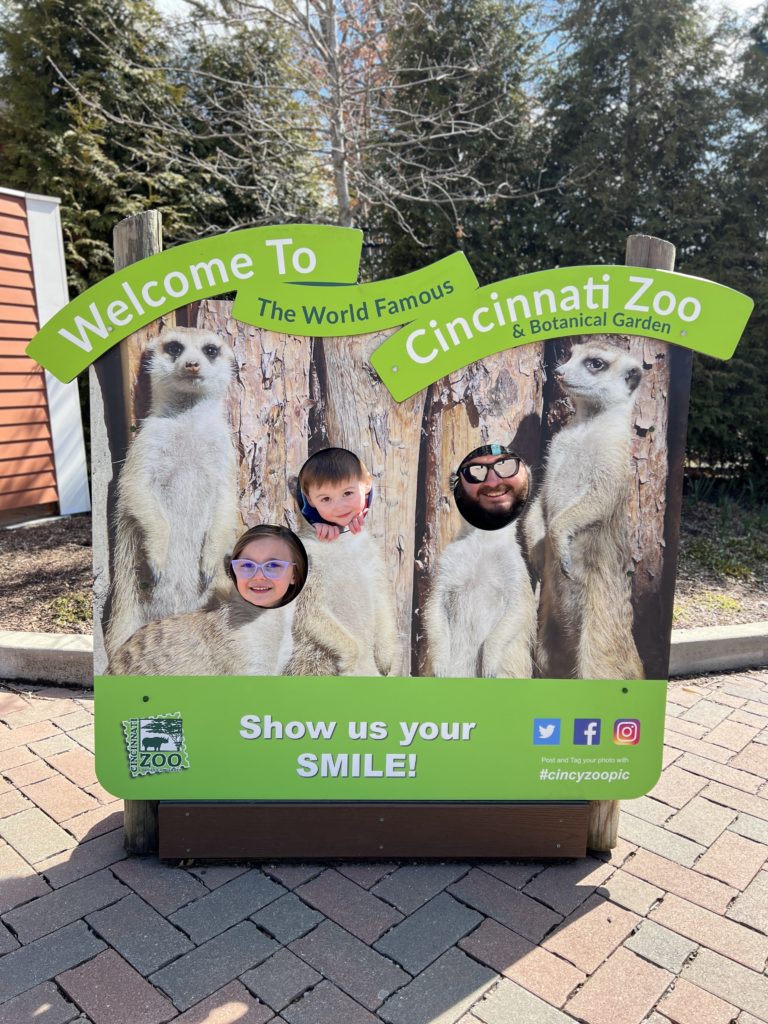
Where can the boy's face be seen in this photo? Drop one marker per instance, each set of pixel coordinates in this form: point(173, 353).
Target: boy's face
point(338, 503)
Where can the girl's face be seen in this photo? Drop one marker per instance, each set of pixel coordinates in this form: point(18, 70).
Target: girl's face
point(260, 589)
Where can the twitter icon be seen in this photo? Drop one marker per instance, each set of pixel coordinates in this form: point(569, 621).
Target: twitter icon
point(546, 732)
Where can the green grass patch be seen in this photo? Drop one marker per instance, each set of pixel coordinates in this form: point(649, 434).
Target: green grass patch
point(71, 609)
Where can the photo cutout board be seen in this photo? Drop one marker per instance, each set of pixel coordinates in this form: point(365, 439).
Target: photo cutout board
point(488, 617)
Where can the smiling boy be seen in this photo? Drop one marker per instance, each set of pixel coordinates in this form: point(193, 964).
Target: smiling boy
point(336, 491)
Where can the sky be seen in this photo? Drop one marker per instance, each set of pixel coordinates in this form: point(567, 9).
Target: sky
point(179, 7)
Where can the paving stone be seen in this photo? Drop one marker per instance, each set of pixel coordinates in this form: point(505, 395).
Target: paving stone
point(753, 758)
point(730, 981)
point(355, 909)
point(366, 875)
point(65, 905)
point(622, 991)
point(52, 745)
point(226, 905)
point(689, 1004)
point(746, 718)
point(232, 1004)
point(706, 712)
point(14, 756)
point(717, 933)
point(214, 875)
point(516, 875)
point(77, 765)
point(415, 884)
point(619, 855)
point(12, 802)
point(679, 724)
point(41, 960)
point(661, 946)
point(84, 860)
point(701, 821)
point(10, 738)
point(428, 932)
point(691, 885)
point(686, 695)
point(73, 720)
point(31, 771)
point(531, 966)
point(193, 976)
point(32, 834)
point(726, 698)
point(630, 892)
point(733, 859)
point(565, 886)
point(292, 875)
point(287, 918)
point(84, 737)
point(11, 703)
point(41, 1005)
point(36, 710)
point(144, 938)
point(697, 748)
point(360, 971)
point(737, 799)
point(751, 907)
point(721, 773)
point(649, 810)
point(591, 933)
point(7, 941)
point(751, 828)
point(59, 798)
point(676, 787)
point(659, 841)
point(164, 888)
point(281, 979)
point(732, 735)
point(326, 1004)
point(96, 822)
point(441, 994)
point(112, 992)
point(509, 1003)
point(505, 904)
point(18, 881)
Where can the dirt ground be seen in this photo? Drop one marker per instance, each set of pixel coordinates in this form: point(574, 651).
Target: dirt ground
point(46, 575)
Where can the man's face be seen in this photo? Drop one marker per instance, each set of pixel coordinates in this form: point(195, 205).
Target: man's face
point(495, 495)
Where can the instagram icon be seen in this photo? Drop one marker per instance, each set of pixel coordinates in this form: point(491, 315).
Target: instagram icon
point(626, 731)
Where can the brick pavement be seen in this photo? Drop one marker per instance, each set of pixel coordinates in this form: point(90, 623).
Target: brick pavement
point(670, 928)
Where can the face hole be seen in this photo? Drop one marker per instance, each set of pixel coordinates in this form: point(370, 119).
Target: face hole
point(491, 488)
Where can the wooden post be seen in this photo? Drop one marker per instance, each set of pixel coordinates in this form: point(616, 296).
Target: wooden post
point(135, 238)
point(654, 253)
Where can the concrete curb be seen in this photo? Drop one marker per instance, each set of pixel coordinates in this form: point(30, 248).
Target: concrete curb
point(68, 657)
point(49, 657)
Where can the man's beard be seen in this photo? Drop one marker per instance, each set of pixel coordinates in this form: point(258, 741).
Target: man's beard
point(482, 518)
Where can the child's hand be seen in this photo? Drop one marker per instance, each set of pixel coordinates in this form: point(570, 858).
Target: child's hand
point(356, 524)
point(326, 531)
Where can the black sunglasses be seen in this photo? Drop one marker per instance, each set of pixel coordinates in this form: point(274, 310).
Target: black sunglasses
point(504, 467)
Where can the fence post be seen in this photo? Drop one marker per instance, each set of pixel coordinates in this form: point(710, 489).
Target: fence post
point(134, 239)
point(656, 254)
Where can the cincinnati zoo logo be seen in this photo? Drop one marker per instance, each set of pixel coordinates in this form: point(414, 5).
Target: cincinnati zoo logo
point(155, 745)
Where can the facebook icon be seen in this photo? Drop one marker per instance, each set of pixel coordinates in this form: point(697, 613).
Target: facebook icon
point(586, 731)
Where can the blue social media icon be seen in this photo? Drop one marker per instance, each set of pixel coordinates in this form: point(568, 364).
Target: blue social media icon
point(546, 732)
point(586, 732)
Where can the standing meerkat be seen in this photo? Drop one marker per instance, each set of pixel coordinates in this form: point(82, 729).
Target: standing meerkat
point(576, 530)
point(179, 482)
point(481, 613)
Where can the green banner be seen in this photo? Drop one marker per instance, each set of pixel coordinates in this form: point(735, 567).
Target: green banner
point(355, 309)
point(688, 311)
point(291, 738)
point(116, 307)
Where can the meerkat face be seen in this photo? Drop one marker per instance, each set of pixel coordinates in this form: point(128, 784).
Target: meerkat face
point(607, 376)
point(191, 360)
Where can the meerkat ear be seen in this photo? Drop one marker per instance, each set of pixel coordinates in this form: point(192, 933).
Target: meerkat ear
point(632, 377)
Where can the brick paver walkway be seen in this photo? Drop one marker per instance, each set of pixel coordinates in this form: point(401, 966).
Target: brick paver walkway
point(671, 927)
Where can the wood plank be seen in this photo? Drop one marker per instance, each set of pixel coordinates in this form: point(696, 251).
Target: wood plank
point(16, 278)
point(29, 381)
point(21, 499)
point(13, 347)
point(27, 482)
point(10, 467)
point(14, 225)
point(21, 450)
point(13, 243)
point(379, 831)
point(16, 332)
point(21, 416)
point(15, 261)
point(18, 363)
point(18, 314)
point(23, 399)
point(13, 206)
point(18, 433)
point(16, 296)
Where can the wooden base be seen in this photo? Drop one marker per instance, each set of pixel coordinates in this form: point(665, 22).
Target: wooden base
point(268, 831)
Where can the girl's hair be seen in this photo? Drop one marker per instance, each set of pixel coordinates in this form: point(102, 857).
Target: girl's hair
point(298, 556)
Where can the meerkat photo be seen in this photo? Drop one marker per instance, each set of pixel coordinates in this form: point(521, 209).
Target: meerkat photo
point(175, 513)
point(577, 528)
